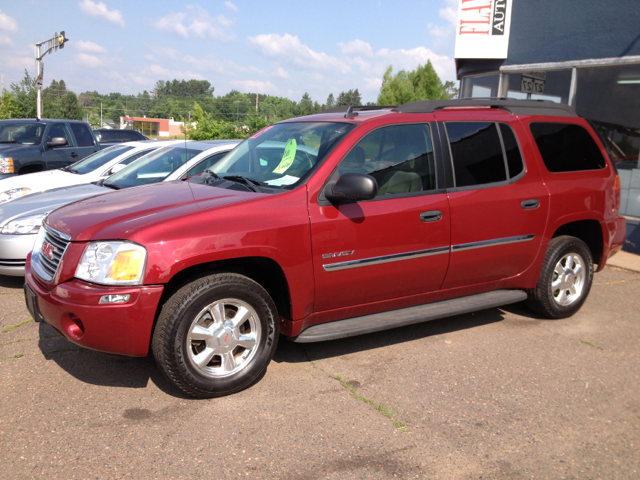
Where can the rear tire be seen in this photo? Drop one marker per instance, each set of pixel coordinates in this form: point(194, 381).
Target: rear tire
point(565, 279)
point(216, 335)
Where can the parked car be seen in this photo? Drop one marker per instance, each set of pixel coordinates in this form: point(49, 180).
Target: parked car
point(111, 135)
point(334, 225)
point(90, 169)
point(20, 219)
point(29, 145)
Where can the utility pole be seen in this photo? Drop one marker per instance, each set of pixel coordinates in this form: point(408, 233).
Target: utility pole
point(256, 104)
point(2, 88)
point(52, 44)
point(100, 114)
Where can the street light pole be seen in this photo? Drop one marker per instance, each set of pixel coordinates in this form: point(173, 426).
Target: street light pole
point(52, 44)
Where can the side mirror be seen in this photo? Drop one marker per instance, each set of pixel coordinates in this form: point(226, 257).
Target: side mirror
point(116, 168)
point(352, 187)
point(57, 142)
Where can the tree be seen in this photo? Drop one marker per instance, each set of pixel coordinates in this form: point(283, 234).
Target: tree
point(352, 97)
point(330, 100)
point(305, 107)
point(25, 97)
point(116, 112)
point(70, 108)
point(422, 83)
point(8, 105)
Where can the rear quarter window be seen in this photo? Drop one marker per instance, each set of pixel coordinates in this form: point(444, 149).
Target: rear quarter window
point(566, 147)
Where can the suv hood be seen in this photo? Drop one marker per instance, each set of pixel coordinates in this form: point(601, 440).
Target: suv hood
point(119, 214)
point(6, 149)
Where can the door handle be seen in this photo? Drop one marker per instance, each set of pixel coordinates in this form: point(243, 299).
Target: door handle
point(431, 216)
point(530, 204)
point(73, 155)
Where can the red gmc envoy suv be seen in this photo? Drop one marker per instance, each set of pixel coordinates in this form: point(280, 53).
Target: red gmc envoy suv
point(350, 221)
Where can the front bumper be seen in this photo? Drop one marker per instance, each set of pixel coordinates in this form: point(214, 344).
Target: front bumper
point(13, 253)
point(72, 309)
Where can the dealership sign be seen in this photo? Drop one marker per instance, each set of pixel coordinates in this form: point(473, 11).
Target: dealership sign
point(482, 28)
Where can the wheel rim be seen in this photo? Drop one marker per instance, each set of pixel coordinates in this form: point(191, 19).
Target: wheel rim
point(568, 279)
point(224, 338)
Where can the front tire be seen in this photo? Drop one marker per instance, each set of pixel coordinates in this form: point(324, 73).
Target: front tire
point(565, 279)
point(216, 335)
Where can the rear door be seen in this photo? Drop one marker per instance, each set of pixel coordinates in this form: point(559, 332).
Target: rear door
point(396, 245)
point(85, 143)
point(499, 205)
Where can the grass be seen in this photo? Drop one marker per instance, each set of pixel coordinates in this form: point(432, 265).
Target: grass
point(587, 342)
point(383, 409)
point(8, 329)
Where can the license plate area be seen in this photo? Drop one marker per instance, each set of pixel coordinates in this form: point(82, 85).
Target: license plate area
point(32, 306)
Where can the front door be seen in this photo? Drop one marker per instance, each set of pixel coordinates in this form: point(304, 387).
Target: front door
point(58, 157)
point(396, 245)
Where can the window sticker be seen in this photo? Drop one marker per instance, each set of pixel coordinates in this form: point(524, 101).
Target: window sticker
point(257, 134)
point(287, 158)
point(286, 180)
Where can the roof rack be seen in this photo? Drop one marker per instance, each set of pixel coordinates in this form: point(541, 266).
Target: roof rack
point(356, 108)
point(513, 106)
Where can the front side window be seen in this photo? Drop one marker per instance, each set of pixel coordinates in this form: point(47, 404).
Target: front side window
point(280, 156)
point(59, 130)
point(205, 164)
point(152, 168)
point(476, 153)
point(566, 147)
point(97, 160)
point(21, 132)
point(399, 157)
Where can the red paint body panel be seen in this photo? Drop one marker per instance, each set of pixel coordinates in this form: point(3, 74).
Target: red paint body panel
point(124, 329)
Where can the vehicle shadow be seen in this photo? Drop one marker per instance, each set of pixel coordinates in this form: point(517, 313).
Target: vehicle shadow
point(290, 352)
point(103, 369)
point(11, 282)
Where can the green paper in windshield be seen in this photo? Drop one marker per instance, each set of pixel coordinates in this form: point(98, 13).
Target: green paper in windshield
point(287, 158)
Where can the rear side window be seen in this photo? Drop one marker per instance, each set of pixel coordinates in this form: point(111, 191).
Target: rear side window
point(83, 135)
point(477, 153)
point(567, 147)
point(514, 159)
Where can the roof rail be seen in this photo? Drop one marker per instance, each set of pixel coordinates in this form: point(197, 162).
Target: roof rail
point(513, 106)
point(356, 108)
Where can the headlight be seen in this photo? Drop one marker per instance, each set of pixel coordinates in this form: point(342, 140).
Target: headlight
point(6, 165)
point(14, 193)
point(24, 225)
point(112, 263)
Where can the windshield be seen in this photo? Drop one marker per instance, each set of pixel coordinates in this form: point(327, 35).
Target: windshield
point(152, 168)
point(21, 132)
point(97, 160)
point(280, 155)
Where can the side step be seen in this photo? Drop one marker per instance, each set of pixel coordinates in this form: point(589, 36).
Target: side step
point(408, 316)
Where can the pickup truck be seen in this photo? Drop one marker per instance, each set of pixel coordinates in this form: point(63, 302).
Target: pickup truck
point(29, 145)
point(337, 224)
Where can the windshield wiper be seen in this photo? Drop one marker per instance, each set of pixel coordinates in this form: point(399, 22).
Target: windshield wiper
point(111, 185)
point(9, 141)
point(249, 182)
point(68, 169)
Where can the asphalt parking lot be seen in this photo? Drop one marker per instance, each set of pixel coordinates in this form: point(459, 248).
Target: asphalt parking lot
point(495, 394)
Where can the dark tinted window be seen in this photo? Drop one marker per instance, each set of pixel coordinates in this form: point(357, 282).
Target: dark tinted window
point(477, 153)
point(566, 147)
point(118, 136)
point(59, 130)
point(132, 136)
point(399, 157)
point(514, 159)
point(83, 135)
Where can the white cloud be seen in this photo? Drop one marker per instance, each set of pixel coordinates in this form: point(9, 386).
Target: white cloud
point(291, 49)
point(255, 86)
point(443, 35)
point(281, 73)
point(5, 39)
point(88, 60)
point(197, 23)
point(410, 59)
point(99, 9)
point(356, 48)
point(231, 6)
point(89, 46)
point(372, 84)
point(7, 23)
point(159, 71)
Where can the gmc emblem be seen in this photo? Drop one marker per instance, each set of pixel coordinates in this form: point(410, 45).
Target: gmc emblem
point(47, 250)
point(338, 254)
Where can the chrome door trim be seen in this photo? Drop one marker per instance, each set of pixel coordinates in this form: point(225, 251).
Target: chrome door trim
point(492, 243)
point(396, 257)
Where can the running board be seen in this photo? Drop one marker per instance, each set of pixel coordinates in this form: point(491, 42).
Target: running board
point(408, 316)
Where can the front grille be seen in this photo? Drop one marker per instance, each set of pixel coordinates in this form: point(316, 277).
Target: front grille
point(55, 244)
point(12, 263)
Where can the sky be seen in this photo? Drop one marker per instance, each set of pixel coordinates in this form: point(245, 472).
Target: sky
point(283, 48)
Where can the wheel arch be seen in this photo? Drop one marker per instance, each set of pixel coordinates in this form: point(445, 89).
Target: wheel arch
point(590, 232)
point(31, 168)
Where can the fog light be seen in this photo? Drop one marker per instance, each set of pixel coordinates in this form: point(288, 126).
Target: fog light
point(118, 298)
